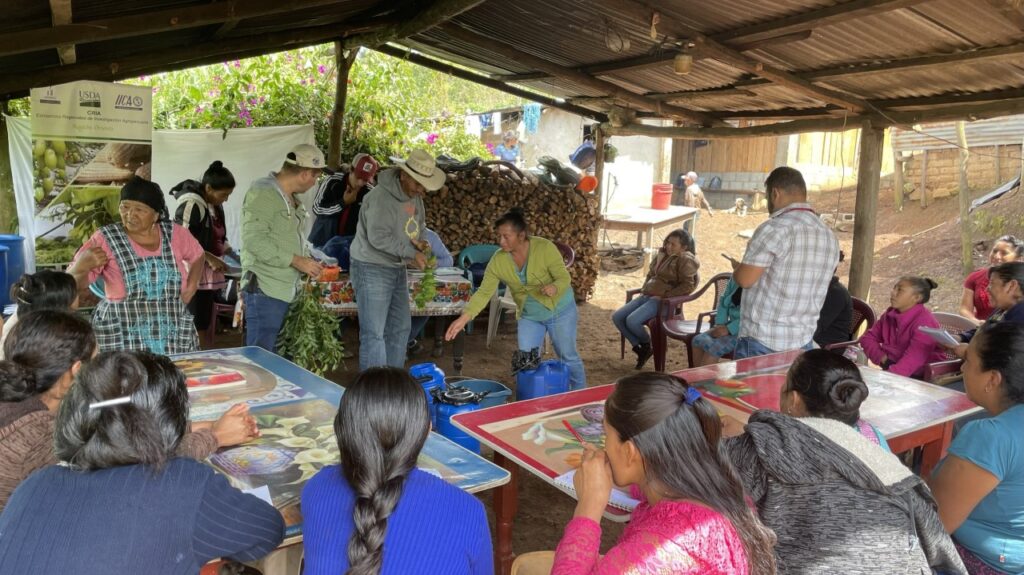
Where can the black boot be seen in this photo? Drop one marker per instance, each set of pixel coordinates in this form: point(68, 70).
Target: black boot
point(643, 353)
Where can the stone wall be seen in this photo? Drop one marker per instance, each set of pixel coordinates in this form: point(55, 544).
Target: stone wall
point(943, 170)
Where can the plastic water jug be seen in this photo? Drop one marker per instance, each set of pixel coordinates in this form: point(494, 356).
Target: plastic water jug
point(5, 292)
point(450, 402)
point(550, 377)
point(430, 377)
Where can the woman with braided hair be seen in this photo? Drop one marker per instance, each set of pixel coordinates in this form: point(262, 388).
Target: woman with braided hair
point(822, 479)
point(376, 512)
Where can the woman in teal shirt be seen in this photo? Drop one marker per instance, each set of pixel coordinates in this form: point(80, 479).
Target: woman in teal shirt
point(533, 269)
point(980, 484)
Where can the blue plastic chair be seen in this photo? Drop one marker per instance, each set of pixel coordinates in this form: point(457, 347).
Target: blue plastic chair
point(474, 259)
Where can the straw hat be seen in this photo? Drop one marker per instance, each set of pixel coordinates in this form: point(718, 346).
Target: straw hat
point(422, 167)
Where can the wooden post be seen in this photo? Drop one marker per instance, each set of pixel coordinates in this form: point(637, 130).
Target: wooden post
point(599, 165)
point(998, 167)
point(869, 173)
point(897, 178)
point(965, 201)
point(924, 179)
point(343, 63)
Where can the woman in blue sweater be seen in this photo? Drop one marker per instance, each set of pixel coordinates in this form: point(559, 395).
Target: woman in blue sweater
point(119, 501)
point(378, 513)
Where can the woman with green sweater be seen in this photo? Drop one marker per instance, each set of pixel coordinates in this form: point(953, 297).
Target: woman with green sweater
point(533, 270)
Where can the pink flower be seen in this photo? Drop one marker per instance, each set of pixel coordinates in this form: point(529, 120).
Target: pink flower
point(238, 64)
point(431, 138)
point(490, 148)
point(302, 81)
point(322, 69)
point(199, 109)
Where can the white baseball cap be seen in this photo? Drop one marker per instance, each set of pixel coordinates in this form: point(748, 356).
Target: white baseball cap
point(307, 156)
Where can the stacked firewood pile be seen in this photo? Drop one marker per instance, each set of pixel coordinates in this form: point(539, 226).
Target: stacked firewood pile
point(463, 213)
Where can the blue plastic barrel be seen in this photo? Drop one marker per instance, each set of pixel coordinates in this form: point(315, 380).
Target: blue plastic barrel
point(497, 393)
point(550, 377)
point(5, 295)
point(15, 258)
point(444, 426)
point(429, 376)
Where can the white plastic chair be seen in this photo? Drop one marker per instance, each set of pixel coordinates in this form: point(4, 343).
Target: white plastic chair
point(499, 303)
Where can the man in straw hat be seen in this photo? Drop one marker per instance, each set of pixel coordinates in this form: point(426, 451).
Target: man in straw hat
point(274, 252)
point(388, 238)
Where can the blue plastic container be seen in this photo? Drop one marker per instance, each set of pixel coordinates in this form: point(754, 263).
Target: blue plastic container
point(497, 393)
point(15, 259)
point(445, 427)
point(550, 377)
point(5, 295)
point(430, 377)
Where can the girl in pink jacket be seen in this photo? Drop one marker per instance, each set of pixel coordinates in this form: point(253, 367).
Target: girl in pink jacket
point(894, 342)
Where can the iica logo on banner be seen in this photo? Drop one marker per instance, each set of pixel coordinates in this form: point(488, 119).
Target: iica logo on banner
point(93, 111)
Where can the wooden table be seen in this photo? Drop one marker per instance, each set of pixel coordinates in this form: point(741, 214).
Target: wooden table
point(453, 294)
point(644, 221)
point(295, 410)
point(909, 413)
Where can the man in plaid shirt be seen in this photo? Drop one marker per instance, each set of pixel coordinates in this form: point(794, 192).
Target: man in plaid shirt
point(785, 271)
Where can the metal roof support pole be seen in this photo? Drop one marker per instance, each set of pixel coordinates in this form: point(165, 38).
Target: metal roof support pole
point(869, 174)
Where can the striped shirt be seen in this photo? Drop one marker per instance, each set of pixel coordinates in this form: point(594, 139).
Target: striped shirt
point(799, 254)
point(130, 519)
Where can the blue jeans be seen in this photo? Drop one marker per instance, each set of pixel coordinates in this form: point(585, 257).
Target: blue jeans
point(263, 318)
point(382, 296)
point(750, 347)
point(631, 318)
point(562, 329)
point(416, 326)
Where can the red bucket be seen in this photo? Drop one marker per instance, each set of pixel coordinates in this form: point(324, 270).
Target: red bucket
point(661, 196)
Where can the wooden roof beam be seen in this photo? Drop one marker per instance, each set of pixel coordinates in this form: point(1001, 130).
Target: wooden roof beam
point(148, 23)
point(612, 67)
point(970, 112)
point(712, 49)
point(489, 82)
point(60, 11)
point(174, 58)
point(577, 77)
point(813, 19)
point(683, 95)
point(432, 16)
point(916, 62)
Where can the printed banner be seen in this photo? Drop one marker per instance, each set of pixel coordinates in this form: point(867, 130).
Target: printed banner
point(93, 111)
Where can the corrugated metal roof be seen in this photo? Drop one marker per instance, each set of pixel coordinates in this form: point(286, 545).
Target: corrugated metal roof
point(999, 131)
point(577, 33)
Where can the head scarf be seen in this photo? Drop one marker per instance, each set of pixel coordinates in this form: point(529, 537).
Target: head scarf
point(146, 192)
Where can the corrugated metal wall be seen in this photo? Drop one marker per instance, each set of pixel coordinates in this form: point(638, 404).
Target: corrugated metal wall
point(996, 131)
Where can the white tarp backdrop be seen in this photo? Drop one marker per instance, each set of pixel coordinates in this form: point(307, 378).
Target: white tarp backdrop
point(249, 153)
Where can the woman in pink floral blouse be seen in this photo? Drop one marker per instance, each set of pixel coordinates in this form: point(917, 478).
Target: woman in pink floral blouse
point(663, 442)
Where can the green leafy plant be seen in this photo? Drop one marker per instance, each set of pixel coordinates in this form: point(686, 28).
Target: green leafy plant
point(427, 287)
point(309, 333)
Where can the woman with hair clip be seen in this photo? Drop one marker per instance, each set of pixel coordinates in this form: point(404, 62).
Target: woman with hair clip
point(150, 268)
point(980, 483)
point(44, 352)
point(120, 501)
point(662, 440)
point(45, 289)
point(201, 210)
point(534, 272)
point(673, 273)
point(826, 483)
point(377, 512)
point(895, 343)
point(975, 303)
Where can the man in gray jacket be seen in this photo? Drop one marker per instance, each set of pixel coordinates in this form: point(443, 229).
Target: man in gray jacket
point(388, 238)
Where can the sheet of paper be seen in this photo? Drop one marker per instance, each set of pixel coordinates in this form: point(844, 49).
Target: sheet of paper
point(619, 498)
point(942, 336)
point(263, 492)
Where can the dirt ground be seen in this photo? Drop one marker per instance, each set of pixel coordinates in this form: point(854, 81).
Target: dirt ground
point(901, 249)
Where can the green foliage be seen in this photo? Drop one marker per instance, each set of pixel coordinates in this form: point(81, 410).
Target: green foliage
point(392, 105)
point(309, 334)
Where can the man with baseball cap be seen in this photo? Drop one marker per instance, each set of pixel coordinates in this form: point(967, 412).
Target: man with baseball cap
point(274, 252)
point(338, 199)
point(388, 238)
